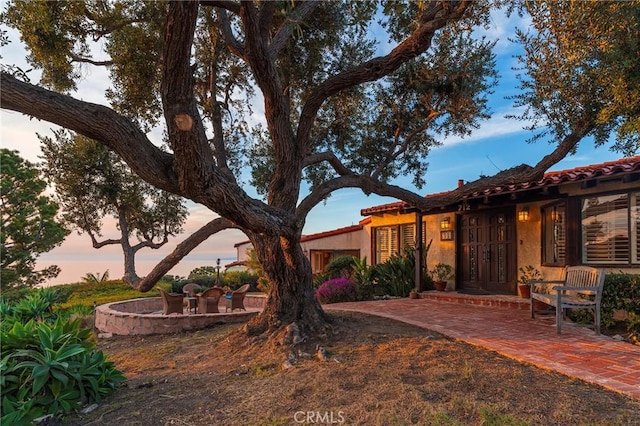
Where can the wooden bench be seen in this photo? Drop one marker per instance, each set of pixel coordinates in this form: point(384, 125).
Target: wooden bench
point(581, 289)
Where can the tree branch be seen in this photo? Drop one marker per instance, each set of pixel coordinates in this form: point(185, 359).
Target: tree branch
point(186, 132)
point(77, 58)
point(94, 121)
point(284, 188)
point(99, 244)
point(181, 250)
point(392, 156)
point(150, 244)
point(329, 157)
point(567, 145)
point(433, 19)
point(300, 13)
point(232, 42)
point(231, 6)
point(368, 186)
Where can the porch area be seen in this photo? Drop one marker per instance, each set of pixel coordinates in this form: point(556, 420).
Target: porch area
point(491, 300)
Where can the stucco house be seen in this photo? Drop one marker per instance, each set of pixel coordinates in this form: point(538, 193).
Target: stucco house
point(587, 215)
point(321, 248)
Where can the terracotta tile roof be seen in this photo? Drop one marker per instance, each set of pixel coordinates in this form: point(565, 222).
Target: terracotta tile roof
point(324, 234)
point(610, 168)
point(333, 232)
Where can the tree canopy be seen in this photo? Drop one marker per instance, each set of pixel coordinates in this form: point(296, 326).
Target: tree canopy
point(29, 225)
point(341, 109)
point(581, 76)
point(91, 183)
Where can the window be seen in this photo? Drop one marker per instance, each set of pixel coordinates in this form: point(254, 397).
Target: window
point(610, 226)
point(390, 240)
point(554, 234)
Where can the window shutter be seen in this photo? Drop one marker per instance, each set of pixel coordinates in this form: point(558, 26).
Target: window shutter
point(605, 229)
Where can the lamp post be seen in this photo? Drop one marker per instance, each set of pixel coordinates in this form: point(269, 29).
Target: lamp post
point(218, 269)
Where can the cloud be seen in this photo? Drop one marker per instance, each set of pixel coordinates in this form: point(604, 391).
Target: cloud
point(497, 126)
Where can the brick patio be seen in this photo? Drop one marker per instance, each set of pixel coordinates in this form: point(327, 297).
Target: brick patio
point(504, 325)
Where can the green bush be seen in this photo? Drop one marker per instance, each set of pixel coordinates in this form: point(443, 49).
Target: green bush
point(236, 279)
point(622, 292)
point(341, 266)
point(51, 369)
point(397, 275)
point(364, 277)
point(106, 292)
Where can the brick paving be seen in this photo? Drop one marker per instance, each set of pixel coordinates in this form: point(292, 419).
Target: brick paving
point(508, 329)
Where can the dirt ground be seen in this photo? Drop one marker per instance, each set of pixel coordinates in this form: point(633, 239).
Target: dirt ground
point(377, 372)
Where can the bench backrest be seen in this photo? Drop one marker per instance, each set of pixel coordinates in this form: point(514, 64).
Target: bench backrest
point(585, 276)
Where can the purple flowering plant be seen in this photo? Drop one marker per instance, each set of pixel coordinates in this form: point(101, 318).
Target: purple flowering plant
point(337, 290)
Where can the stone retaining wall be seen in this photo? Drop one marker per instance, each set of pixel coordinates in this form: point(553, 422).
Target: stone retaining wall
point(144, 316)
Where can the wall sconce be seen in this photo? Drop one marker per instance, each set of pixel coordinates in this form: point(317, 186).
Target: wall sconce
point(523, 214)
point(445, 223)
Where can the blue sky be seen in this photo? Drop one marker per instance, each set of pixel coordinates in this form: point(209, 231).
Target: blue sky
point(497, 145)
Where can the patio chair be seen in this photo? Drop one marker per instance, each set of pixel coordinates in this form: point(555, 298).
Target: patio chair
point(235, 300)
point(171, 302)
point(190, 295)
point(190, 288)
point(208, 300)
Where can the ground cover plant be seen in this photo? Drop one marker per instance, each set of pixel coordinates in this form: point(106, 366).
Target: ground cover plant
point(377, 372)
point(87, 294)
point(48, 363)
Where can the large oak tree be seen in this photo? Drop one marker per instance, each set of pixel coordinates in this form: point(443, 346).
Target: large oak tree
point(337, 112)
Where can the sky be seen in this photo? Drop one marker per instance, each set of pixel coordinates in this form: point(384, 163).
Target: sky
point(498, 144)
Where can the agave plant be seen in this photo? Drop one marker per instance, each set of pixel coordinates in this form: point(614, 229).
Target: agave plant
point(96, 278)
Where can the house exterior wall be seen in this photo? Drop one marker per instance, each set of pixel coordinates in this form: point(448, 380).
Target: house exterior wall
point(439, 252)
point(530, 233)
point(242, 250)
point(331, 244)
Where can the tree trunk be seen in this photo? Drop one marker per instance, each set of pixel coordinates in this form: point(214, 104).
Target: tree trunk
point(291, 304)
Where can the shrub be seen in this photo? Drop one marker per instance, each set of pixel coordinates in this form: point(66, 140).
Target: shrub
point(397, 275)
point(51, 369)
point(341, 266)
point(622, 292)
point(235, 279)
point(337, 290)
point(363, 276)
point(106, 292)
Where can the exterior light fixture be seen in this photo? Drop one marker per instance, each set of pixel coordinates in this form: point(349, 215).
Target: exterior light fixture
point(523, 214)
point(446, 233)
point(445, 223)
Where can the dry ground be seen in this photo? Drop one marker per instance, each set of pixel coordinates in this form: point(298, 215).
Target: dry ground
point(379, 372)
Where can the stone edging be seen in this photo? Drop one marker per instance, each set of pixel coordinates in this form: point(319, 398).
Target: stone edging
point(144, 316)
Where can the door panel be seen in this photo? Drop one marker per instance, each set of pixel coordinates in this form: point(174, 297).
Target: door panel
point(488, 251)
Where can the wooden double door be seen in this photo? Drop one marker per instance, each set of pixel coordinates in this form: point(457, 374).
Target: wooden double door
point(487, 252)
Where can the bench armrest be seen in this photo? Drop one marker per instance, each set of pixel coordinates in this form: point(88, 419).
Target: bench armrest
point(543, 287)
point(546, 281)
